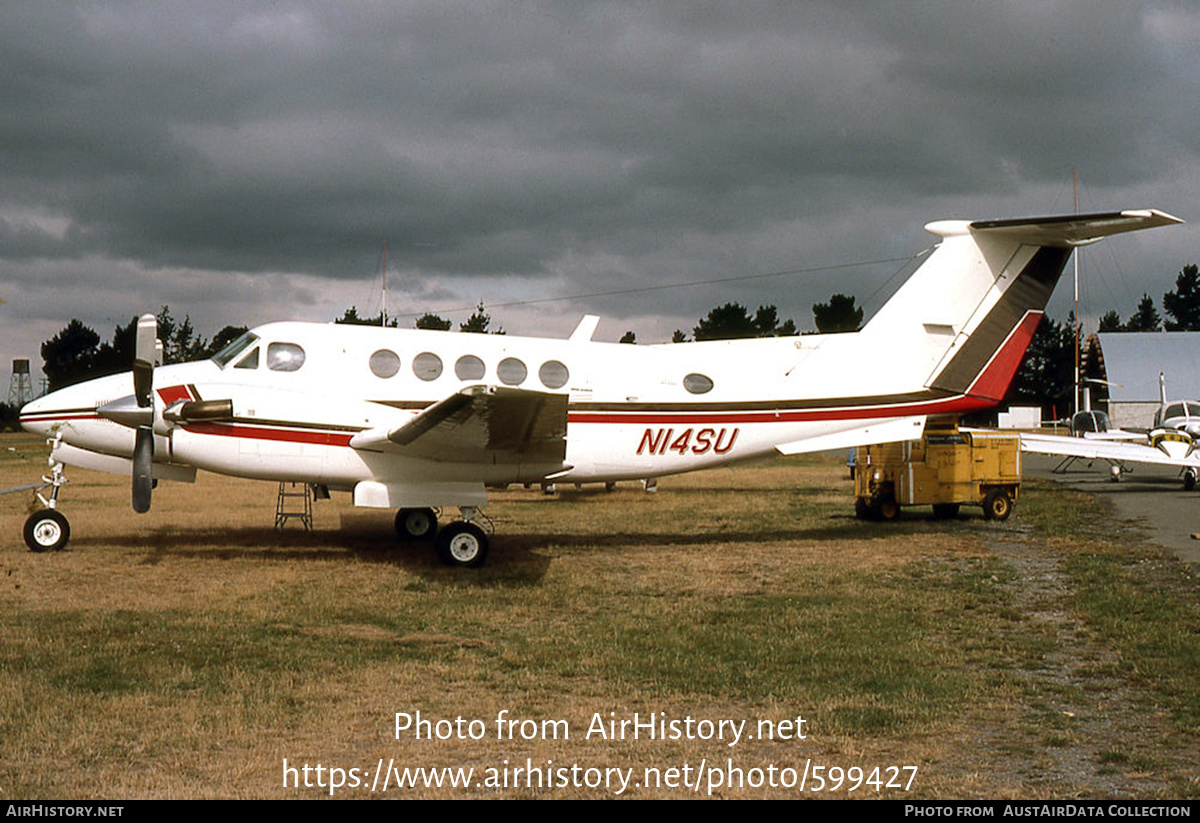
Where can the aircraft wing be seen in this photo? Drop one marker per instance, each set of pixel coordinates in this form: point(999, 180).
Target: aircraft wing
point(1095, 449)
point(480, 424)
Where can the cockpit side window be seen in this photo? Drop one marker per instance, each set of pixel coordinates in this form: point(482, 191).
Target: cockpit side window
point(239, 345)
point(284, 357)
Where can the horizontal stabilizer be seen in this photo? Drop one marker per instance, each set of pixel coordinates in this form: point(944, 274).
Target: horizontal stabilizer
point(1070, 230)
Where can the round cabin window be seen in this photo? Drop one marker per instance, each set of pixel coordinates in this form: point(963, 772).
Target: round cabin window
point(511, 371)
point(384, 363)
point(553, 374)
point(427, 366)
point(469, 367)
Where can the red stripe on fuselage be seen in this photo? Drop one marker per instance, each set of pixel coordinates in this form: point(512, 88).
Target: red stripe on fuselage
point(172, 393)
point(948, 405)
point(58, 416)
point(275, 434)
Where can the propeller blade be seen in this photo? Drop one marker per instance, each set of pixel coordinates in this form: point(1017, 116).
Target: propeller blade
point(143, 459)
point(144, 357)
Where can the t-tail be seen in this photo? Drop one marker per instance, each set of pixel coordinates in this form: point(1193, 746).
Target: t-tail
point(965, 318)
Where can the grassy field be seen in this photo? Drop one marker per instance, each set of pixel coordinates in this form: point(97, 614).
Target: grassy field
point(191, 651)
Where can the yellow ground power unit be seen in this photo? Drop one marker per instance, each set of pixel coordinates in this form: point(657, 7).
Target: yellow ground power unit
point(946, 468)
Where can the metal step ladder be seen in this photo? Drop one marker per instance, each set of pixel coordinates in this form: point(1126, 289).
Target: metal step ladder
point(295, 500)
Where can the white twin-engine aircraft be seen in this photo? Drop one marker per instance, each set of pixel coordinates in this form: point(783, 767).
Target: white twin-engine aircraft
point(418, 420)
point(1173, 440)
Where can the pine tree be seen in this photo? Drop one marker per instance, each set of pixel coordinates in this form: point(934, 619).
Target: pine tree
point(1146, 317)
point(1183, 304)
point(838, 315)
point(1111, 321)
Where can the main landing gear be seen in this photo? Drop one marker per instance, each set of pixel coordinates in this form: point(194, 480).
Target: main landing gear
point(462, 543)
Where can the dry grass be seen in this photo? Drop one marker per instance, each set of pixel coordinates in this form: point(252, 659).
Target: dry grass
point(188, 652)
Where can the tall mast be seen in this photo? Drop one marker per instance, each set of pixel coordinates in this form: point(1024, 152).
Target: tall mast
point(1075, 257)
point(383, 308)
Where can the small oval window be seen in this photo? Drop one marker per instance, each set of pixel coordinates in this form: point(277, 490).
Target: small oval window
point(427, 366)
point(553, 374)
point(511, 371)
point(284, 357)
point(384, 363)
point(697, 383)
point(469, 367)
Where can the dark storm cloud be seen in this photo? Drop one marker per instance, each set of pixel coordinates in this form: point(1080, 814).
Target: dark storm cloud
point(569, 142)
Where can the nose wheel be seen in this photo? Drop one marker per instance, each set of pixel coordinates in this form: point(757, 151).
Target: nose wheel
point(47, 531)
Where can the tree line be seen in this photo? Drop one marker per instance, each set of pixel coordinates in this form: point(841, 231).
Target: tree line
point(78, 353)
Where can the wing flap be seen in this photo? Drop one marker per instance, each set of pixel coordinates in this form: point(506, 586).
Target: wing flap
point(481, 424)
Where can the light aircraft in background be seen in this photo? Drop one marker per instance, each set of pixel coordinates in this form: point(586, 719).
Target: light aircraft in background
point(1174, 440)
point(419, 420)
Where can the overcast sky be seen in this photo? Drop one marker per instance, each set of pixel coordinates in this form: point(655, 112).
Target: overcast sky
point(245, 161)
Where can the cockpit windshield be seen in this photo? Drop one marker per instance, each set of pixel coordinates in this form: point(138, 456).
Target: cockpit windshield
point(235, 348)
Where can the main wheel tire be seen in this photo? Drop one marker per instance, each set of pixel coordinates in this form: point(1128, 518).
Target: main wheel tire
point(47, 531)
point(997, 505)
point(462, 544)
point(416, 524)
point(1189, 480)
point(884, 508)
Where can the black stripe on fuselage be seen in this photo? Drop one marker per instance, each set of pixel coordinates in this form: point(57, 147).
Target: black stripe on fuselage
point(1030, 290)
point(923, 396)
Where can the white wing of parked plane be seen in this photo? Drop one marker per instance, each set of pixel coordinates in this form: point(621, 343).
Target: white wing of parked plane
point(1088, 448)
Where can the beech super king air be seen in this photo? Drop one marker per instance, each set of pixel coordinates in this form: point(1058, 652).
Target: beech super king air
point(419, 420)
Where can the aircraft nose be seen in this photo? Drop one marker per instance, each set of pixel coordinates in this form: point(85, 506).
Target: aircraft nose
point(33, 415)
point(43, 414)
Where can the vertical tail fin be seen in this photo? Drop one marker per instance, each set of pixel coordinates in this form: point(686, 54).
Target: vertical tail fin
point(980, 296)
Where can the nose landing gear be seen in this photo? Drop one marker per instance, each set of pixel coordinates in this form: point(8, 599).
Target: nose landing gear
point(48, 530)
